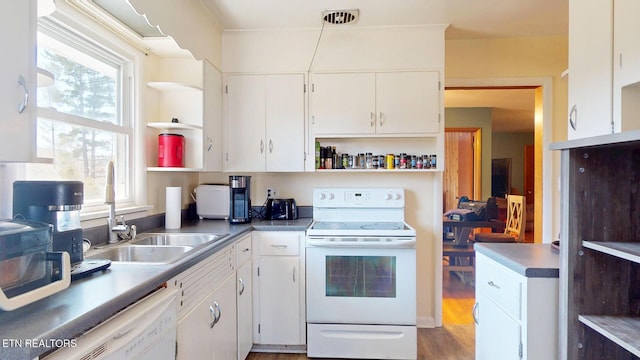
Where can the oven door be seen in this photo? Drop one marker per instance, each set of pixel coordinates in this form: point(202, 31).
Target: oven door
point(361, 285)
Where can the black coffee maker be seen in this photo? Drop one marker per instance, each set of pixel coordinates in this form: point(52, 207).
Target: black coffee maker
point(57, 203)
point(240, 199)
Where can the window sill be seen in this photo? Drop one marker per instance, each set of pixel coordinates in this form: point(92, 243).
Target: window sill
point(97, 218)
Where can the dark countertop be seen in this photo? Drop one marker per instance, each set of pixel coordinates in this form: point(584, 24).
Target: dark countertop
point(97, 297)
point(529, 260)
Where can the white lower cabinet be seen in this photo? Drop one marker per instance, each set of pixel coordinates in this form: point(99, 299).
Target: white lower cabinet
point(209, 330)
point(209, 305)
point(516, 316)
point(279, 289)
point(244, 295)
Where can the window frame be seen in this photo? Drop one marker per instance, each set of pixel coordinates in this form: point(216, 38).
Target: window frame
point(110, 43)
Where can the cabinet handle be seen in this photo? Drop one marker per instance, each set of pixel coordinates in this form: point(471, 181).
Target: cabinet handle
point(241, 286)
point(573, 117)
point(210, 145)
point(372, 119)
point(475, 312)
point(245, 250)
point(294, 274)
point(261, 146)
point(217, 313)
point(270, 146)
point(212, 313)
point(279, 246)
point(380, 119)
point(25, 101)
point(491, 283)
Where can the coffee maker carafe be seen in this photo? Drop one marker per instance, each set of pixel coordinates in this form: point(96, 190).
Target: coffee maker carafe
point(240, 199)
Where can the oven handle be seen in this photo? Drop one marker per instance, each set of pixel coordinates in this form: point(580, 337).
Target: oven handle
point(400, 244)
point(15, 302)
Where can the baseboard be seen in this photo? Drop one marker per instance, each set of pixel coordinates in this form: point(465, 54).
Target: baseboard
point(293, 349)
point(426, 322)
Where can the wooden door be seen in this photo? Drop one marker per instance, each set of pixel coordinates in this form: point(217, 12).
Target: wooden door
point(529, 174)
point(459, 167)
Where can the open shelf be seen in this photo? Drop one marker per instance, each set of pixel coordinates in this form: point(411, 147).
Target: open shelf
point(624, 250)
point(173, 169)
point(619, 329)
point(172, 86)
point(169, 126)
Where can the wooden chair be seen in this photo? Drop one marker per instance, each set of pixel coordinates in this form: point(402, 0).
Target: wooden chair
point(514, 229)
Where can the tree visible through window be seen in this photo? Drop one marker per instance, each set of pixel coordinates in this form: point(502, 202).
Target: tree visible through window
point(81, 124)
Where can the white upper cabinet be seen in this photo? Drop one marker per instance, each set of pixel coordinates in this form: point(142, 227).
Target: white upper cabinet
point(212, 112)
point(264, 123)
point(626, 66)
point(626, 45)
point(590, 68)
point(389, 103)
point(18, 80)
point(407, 102)
point(343, 103)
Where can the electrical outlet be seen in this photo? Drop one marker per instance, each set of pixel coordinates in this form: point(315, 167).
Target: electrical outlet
point(271, 192)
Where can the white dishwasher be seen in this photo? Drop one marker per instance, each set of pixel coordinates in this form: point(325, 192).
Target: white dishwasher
point(145, 330)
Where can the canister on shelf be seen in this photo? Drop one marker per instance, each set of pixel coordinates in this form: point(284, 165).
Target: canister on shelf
point(403, 160)
point(390, 161)
point(361, 160)
point(434, 162)
point(396, 161)
point(381, 162)
point(369, 161)
point(345, 161)
point(426, 161)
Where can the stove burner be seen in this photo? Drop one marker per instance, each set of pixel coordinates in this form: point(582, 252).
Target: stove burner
point(383, 226)
point(335, 225)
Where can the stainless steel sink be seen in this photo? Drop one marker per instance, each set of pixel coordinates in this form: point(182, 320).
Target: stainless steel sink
point(142, 254)
point(175, 239)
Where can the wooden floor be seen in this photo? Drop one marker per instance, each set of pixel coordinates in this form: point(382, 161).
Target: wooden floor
point(455, 340)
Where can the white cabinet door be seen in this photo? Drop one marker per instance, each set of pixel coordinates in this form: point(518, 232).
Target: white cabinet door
point(497, 333)
point(225, 341)
point(626, 66)
point(407, 102)
point(245, 310)
point(244, 123)
point(195, 333)
point(264, 123)
point(279, 307)
point(626, 45)
point(212, 92)
point(590, 68)
point(285, 122)
point(18, 39)
point(343, 104)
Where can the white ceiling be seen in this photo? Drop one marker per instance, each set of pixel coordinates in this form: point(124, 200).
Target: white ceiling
point(467, 19)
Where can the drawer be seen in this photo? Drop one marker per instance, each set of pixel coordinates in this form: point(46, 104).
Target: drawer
point(278, 242)
point(243, 249)
point(500, 284)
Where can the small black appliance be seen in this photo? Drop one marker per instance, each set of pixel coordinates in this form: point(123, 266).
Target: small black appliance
point(281, 209)
point(57, 203)
point(240, 199)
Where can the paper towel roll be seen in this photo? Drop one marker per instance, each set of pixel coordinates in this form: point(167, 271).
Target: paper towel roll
point(173, 210)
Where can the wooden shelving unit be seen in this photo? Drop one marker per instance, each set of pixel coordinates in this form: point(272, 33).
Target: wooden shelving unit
point(600, 248)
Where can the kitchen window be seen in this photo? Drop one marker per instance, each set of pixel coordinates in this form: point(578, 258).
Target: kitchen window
point(84, 118)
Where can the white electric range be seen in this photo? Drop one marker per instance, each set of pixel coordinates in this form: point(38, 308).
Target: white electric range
point(361, 275)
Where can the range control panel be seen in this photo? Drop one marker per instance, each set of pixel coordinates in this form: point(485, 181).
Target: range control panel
point(358, 197)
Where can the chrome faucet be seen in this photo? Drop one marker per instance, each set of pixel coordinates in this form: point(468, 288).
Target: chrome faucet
point(118, 229)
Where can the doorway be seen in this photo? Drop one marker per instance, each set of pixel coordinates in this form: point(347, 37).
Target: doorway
point(542, 133)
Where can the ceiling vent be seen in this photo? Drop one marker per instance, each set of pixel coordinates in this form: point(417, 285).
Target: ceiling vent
point(340, 17)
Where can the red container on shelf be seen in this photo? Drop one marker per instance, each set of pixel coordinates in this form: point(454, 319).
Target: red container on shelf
point(170, 150)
